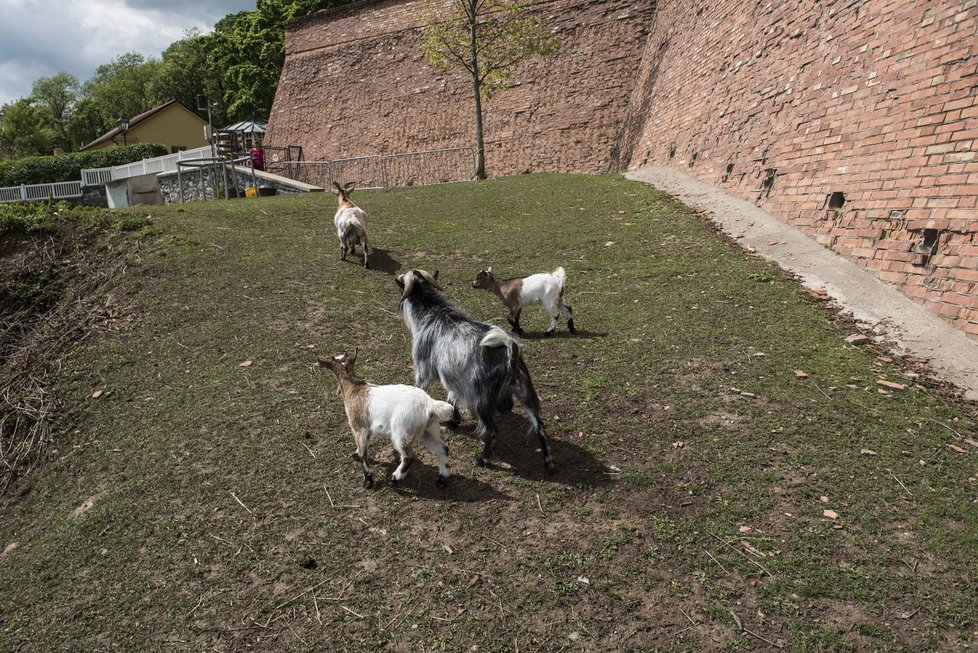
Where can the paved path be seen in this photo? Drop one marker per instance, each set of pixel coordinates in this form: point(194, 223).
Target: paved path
point(892, 316)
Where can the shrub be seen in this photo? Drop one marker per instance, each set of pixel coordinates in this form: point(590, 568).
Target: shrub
point(43, 217)
point(68, 167)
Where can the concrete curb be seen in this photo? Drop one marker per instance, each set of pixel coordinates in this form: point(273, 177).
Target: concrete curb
point(950, 352)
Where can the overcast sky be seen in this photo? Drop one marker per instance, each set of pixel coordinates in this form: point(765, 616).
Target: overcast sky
point(43, 37)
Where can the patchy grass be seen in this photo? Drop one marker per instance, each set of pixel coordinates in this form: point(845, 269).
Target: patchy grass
point(199, 504)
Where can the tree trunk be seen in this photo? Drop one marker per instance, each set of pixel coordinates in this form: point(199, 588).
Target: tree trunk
point(480, 147)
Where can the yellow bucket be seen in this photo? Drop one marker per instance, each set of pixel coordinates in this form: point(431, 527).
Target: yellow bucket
point(251, 192)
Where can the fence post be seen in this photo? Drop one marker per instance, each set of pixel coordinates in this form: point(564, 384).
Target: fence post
point(23, 192)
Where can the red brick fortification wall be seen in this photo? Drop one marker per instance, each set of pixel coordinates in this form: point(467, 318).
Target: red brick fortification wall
point(354, 83)
point(856, 121)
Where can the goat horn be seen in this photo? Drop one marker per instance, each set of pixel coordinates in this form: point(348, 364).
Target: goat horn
point(433, 280)
point(408, 284)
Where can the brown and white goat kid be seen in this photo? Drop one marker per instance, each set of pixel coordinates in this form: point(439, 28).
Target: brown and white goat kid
point(545, 289)
point(351, 223)
point(401, 412)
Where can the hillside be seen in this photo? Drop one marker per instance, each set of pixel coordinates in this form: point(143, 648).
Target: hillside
point(200, 495)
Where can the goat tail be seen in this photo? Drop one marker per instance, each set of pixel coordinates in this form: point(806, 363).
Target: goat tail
point(496, 337)
point(561, 275)
point(444, 411)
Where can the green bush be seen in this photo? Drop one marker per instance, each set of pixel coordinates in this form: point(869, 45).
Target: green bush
point(43, 217)
point(68, 167)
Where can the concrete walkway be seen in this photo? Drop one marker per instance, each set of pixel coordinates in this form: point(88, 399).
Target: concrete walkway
point(951, 354)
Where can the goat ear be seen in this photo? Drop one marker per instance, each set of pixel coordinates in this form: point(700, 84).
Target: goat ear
point(352, 359)
point(322, 362)
point(339, 189)
point(349, 185)
point(489, 269)
point(434, 275)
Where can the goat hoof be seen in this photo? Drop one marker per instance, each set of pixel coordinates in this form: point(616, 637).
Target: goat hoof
point(394, 480)
point(570, 327)
point(368, 482)
point(442, 481)
point(549, 333)
point(480, 461)
point(550, 466)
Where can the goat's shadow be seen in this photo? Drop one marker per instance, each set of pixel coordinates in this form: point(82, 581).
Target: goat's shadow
point(420, 483)
point(562, 334)
point(520, 451)
point(382, 261)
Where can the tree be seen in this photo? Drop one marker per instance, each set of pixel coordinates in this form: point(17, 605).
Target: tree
point(54, 98)
point(120, 88)
point(183, 73)
point(489, 39)
point(247, 50)
point(22, 131)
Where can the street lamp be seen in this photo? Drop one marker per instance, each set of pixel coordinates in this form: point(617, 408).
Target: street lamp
point(123, 125)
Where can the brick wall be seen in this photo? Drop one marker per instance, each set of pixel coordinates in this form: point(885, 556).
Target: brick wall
point(788, 103)
point(354, 83)
point(854, 120)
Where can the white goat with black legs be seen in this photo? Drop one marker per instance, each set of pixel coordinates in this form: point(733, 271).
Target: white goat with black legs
point(400, 412)
point(478, 364)
point(545, 289)
point(351, 223)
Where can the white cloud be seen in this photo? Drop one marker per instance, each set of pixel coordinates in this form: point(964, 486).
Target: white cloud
point(43, 38)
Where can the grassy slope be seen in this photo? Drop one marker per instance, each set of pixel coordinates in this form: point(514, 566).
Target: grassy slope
point(167, 558)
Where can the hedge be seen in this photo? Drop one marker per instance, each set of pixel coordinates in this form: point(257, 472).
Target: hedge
point(68, 167)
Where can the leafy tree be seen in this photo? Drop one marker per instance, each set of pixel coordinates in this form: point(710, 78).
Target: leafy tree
point(488, 39)
point(54, 97)
point(22, 130)
point(120, 88)
point(183, 72)
point(248, 50)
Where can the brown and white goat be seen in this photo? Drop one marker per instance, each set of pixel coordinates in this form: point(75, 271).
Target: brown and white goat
point(401, 412)
point(545, 289)
point(351, 223)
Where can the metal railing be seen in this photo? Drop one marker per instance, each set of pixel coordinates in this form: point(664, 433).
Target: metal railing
point(156, 165)
point(61, 190)
point(201, 165)
point(388, 170)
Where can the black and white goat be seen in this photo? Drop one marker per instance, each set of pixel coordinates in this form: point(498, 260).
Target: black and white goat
point(351, 223)
point(478, 364)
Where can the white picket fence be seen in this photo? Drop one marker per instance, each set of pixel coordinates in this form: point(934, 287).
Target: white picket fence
point(156, 165)
point(61, 190)
point(64, 190)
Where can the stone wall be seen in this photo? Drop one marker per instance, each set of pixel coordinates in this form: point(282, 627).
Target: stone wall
point(854, 120)
point(354, 83)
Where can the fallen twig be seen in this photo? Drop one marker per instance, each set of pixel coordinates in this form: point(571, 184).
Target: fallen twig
point(242, 503)
point(742, 554)
point(355, 614)
point(900, 482)
point(300, 595)
point(716, 561)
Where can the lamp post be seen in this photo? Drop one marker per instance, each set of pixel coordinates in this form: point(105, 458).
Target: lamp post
point(123, 126)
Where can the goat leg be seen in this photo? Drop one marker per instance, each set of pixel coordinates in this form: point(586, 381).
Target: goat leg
point(487, 426)
point(368, 478)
